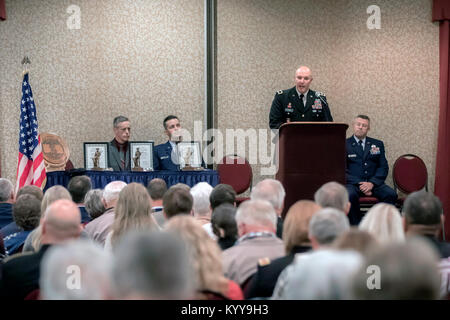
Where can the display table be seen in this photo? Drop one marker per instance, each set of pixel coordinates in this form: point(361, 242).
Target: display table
point(101, 178)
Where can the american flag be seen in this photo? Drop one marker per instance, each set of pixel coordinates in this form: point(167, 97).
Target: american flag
point(30, 169)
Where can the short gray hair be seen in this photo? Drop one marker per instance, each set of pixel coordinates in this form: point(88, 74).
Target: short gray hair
point(256, 212)
point(332, 195)
point(92, 262)
point(112, 190)
point(93, 203)
point(327, 224)
point(270, 190)
point(118, 120)
point(200, 195)
point(152, 265)
point(6, 189)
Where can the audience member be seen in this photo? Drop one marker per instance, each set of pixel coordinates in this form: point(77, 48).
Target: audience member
point(78, 187)
point(152, 265)
point(6, 201)
point(201, 206)
point(60, 223)
point(256, 221)
point(271, 190)
point(177, 201)
point(222, 193)
point(333, 195)
point(119, 148)
point(384, 222)
point(321, 275)
point(296, 240)
point(156, 189)
point(357, 240)
point(224, 226)
point(94, 204)
point(133, 212)
point(33, 240)
point(26, 213)
point(423, 216)
point(399, 271)
point(99, 228)
point(325, 226)
point(81, 258)
point(205, 256)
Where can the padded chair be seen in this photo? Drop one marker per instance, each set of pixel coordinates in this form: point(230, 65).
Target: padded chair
point(237, 172)
point(409, 174)
point(365, 203)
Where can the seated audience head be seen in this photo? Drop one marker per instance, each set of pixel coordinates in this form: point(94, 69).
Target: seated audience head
point(326, 225)
point(356, 240)
point(182, 185)
point(111, 193)
point(153, 265)
point(93, 203)
point(256, 216)
point(333, 195)
point(122, 129)
point(157, 188)
point(172, 127)
point(322, 275)
point(78, 187)
point(422, 213)
point(132, 212)
point(204, 253)
point(61, 222)
point(30, 189)
point(27, 212)
point(177, 201)
point(406, 271)
point(81, 258)
point(200, 194)
point(223, 221)
point(6, 191)
point(296, 223)
point(384, 222)
point(222, 193)
point(271, 190)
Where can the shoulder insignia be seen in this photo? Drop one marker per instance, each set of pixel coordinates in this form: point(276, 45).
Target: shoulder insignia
point(17, 255)
point(263, 262)
point(280, 92)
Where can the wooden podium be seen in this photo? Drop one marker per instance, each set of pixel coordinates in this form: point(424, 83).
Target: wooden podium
point(310, 154)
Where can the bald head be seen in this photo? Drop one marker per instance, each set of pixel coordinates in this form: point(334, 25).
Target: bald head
point(303, 78)
point(62, 221)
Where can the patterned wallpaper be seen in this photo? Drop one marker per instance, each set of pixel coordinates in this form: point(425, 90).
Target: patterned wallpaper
point(144, 59)
point(390, 74)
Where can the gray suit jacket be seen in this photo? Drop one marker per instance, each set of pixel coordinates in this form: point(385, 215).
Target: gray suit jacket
point(114, 158)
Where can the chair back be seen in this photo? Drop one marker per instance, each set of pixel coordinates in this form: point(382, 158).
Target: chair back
point(237, 172)
point(410, 174)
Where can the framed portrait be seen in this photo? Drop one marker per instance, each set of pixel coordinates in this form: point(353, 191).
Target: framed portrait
point(189, 154)
point(141, 154)
point(95, 155)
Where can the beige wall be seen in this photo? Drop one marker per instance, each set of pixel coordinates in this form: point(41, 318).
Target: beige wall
point(144, 59)
point(391, 74)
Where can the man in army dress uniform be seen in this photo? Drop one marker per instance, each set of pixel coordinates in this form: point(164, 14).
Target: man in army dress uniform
point(299, 103)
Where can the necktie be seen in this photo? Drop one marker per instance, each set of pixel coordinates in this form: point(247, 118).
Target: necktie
point(301, 100)
point(360, 143)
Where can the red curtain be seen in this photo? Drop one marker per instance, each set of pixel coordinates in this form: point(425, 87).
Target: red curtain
point(441, 13)
point(2, 10)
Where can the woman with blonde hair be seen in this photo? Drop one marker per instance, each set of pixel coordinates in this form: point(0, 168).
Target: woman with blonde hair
point(384, 222)
point(33, 241)
point(206, 259)
point(296, 241)
point(132, 212)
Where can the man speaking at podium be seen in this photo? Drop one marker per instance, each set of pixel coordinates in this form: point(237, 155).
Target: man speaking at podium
point(299, 103)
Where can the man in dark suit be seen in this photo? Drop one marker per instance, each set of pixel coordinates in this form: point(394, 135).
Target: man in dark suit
point(367, 168)
point(21, 272)
point(299, 103)
point(164, 155)
point(119, 149)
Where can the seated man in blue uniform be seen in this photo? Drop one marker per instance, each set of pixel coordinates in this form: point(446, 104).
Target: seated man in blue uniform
point(119, 149)
point(299, 103)
point(367, 168)
point(164, 154)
